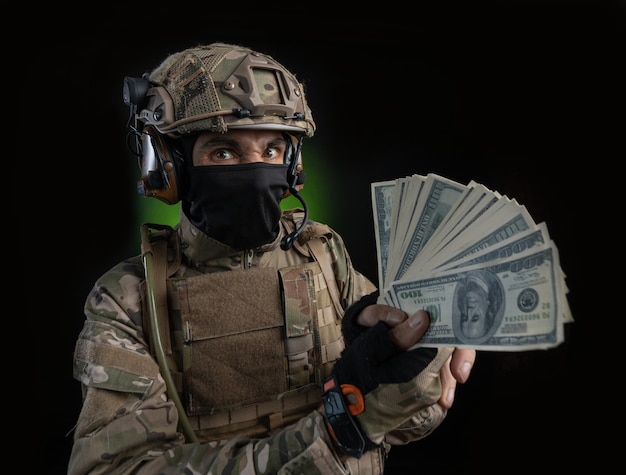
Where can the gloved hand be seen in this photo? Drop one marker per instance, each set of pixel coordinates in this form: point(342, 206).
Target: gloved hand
point(376, 386)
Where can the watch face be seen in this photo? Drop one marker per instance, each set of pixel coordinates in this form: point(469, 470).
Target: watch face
point(341, 425)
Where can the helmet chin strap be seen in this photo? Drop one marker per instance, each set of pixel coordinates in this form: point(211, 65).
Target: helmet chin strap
point(292, 179)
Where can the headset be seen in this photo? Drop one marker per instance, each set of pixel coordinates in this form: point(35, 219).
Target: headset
point(161, 158)
point(160, 163)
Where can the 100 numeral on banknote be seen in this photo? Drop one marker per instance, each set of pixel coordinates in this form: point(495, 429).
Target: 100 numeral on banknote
point(510, 305)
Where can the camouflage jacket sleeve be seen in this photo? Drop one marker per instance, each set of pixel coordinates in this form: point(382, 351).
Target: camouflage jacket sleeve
point(352, 284)
point(127, 423)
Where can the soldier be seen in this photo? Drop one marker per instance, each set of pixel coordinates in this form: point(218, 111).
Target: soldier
point(243, 340)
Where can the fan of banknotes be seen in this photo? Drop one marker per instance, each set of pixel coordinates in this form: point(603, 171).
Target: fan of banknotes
point(488, 275)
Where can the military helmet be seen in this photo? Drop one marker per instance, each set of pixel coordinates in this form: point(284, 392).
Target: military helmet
point(221, 86)
point(210, 88)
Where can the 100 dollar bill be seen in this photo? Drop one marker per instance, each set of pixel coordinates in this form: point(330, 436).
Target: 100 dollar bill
point(512, 304)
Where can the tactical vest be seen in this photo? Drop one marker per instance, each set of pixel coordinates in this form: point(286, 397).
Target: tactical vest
point(247, 350)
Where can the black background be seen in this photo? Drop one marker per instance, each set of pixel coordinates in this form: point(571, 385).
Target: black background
point(523, 97)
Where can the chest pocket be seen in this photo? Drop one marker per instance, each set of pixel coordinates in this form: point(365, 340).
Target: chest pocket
point(232, 343)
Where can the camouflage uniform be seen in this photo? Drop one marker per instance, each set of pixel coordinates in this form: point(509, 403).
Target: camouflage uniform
point(129, 425)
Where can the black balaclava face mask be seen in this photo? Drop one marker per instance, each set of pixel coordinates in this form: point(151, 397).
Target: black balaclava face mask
point(238, 205)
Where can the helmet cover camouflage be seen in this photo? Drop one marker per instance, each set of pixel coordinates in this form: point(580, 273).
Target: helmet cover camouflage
point(221, 86)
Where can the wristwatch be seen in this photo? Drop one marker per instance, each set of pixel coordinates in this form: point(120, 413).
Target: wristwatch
point(342, 425)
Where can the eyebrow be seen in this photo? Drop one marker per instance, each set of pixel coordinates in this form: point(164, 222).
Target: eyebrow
point(228, 142)
point(213, 141)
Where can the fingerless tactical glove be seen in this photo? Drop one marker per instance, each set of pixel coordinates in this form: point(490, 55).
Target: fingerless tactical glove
point(376, 386)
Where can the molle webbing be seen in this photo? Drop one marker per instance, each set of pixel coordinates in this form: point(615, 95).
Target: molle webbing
point(313, 329)
point(246, 369)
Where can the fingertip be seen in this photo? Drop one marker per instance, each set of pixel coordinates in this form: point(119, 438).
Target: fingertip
point(462, 364)
point(450, 398)
point(465, 370)
point(394, 316)
point(419, 319)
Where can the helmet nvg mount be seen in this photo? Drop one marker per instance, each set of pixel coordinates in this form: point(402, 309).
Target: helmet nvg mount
point(213, 88)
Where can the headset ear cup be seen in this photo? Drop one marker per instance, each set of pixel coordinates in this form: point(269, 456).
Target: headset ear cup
point(161, 161)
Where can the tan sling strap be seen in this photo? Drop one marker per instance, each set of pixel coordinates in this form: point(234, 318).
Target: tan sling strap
point(155, 311)
point(162, 243)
